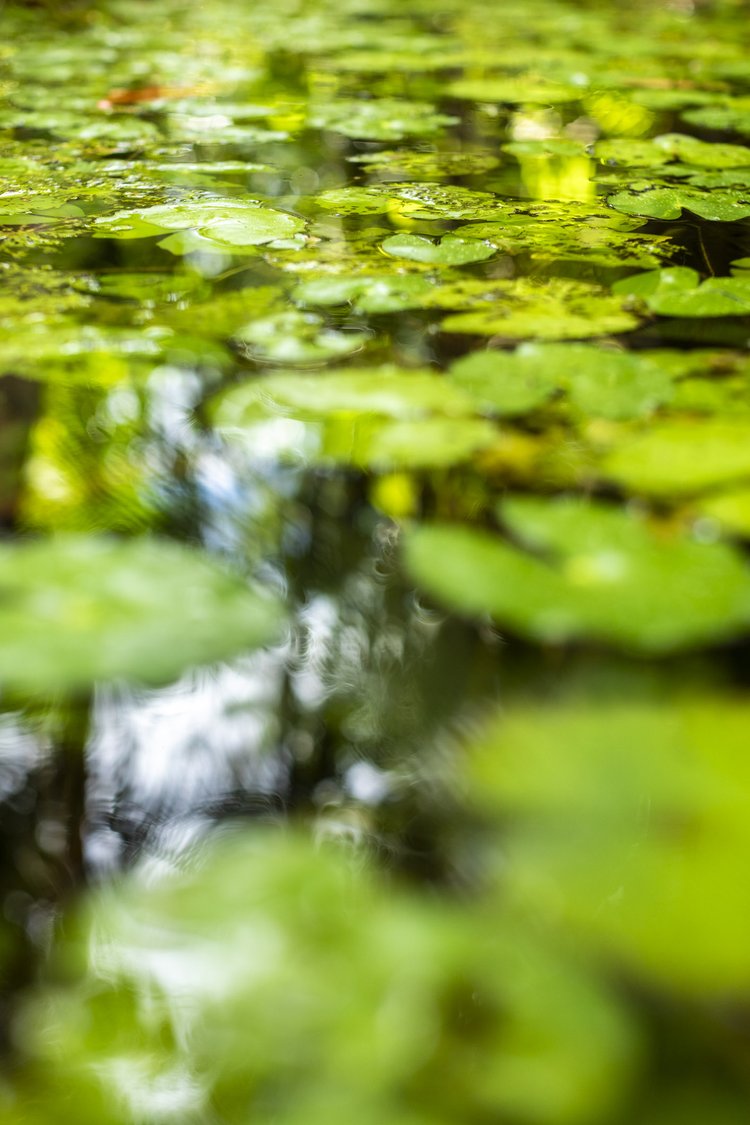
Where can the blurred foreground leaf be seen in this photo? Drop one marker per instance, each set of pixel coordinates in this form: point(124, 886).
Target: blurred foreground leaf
point(278, 982)
point(76, 609)
point(586, 570)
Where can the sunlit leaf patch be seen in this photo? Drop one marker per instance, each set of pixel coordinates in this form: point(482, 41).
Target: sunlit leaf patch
point(78, 609)
point(585, 570)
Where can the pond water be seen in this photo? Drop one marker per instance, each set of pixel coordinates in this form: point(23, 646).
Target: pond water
point(374, 596)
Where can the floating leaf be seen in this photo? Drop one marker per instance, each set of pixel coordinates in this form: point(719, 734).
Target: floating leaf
point(367, 295)
point(556, 310)
point(45, 350)
point(730, 509)
point(386, 390)
point(677, 292)
point(605, 383)
point(672, 146)
point(567, 229)
point(669, 202)
point(296, 337)
point(225, 222)
point(604, 574)
point(381, 418)
point(450, 250)
point(415, 200)
point(501, 384)
point(513, 91)
point(351, 990)
point(78, 609)
point(379, 119)
point(731, 118)
point(681, 456)
point(614, 807)
point(401, 164)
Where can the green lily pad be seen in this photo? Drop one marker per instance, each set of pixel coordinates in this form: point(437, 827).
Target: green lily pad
point(681, 456)
point(614, 806)
point(669, 203)
point(669, 147)
point(79, 609)
point(514, 91)
point(224, 222)
point(296, 337)
point(367, 295)
point(414, 200)
point(679, 292)
point(378, 418)
point(556, 310)
point(379, 119)
point(150, 287)
point(567, 229)
point(450, 250)
point(424, 443)
point(730, 118)
point(604, 574)
point(401, 164)
point(502, 385)
point(46, 350)
point(729, 395)
point(387, 390)
point(598, 382)
point(313, 1014)
point(730, 509)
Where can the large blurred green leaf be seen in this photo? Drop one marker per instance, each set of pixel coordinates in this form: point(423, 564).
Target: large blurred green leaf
point(681, 456)
point(380, 418)
point(603, 382)
point(630, 824)
point(587, 570)
point(77, 609)
point(679, 292)
point(277, 980)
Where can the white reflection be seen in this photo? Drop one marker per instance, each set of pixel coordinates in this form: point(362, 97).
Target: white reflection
point(204, 746)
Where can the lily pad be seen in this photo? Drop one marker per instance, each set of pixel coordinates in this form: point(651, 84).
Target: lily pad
point(681, 456)
point(599, 382)
point(377, 418)
point(224, 222)
point(502, 385)
point(730, 510)
point(731, 118)
point(450, 250)
point(588, 571)
point(403, 164)
point(367, 295)
point(569, 229)
point(514, 91)
point(386, 390)
point(77, 609)
point(298, 1019)
point(669, 203)
point(379, 119)
point(669, 147)
point(679, 292)
point(614, 806)
point(296, 337)
point(556, 310)
point(414, 200)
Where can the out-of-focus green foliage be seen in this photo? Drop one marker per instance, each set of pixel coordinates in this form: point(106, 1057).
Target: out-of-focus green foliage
point(83, 608)
point(586, 570)
point(277, 980)
point(292, 281)
point(273, 977)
